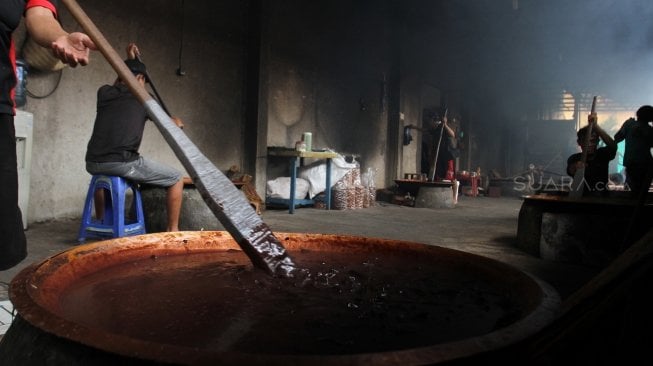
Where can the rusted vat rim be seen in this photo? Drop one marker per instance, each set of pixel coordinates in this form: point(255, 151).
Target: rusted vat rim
point(34, 293)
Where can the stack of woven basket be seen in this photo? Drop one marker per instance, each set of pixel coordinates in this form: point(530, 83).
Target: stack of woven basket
point(352, 192)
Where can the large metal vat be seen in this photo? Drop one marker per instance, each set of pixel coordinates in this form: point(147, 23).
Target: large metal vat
point(194, 298)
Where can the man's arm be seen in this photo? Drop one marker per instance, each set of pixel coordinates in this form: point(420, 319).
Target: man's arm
point(450, 133)
point(414, 127)
point(609, 142)
point(447, 128)
point(71, 48)
point(573, 163)
point(593, 120)
point(132, 51)
point(621, 134)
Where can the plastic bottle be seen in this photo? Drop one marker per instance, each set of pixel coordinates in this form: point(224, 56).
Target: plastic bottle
point(307, 137)
point(21, 76)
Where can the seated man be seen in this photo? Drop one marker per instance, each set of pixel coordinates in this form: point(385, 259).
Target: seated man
point(596, 165)
point(117, 134)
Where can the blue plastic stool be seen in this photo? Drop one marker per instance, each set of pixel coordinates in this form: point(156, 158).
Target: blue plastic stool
point(113, 224)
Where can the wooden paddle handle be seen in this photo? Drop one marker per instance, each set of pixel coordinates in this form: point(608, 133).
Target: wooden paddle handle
point(588, 135)
point(105, 48)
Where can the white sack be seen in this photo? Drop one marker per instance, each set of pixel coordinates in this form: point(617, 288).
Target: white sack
point(315, 173)
point(280, 188)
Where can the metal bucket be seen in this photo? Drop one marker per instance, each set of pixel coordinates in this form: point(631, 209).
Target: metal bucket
point(194, 298)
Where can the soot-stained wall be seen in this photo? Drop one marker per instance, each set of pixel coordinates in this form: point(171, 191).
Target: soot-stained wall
point(324, 68)
point(328, 73)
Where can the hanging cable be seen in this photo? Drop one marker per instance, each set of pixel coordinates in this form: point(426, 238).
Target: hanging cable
point(180, 70)
point(56, 86)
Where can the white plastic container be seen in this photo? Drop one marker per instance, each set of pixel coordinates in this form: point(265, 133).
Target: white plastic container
point(307, 137)
point(24, 122)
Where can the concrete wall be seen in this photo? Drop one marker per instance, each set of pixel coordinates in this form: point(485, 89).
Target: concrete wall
point(324, 68)
point(327, 72)
point(208, 98)
point(260, 73)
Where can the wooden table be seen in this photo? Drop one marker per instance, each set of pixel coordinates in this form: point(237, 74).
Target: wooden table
point(295, 159)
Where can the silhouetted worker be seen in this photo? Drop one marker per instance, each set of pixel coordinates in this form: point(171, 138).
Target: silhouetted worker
point(595, 181)
point(438, 141)
point(637, 157)
point(439, 149)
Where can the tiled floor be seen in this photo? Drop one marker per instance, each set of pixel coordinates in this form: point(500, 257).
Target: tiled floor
point(6, 308)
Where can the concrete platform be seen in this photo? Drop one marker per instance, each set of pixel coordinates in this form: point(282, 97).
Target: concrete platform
point(428, 194)
point(435, 197)
point(194, 215)
point(585, 230)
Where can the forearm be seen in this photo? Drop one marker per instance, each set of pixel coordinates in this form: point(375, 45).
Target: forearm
point(573, 165)
point(571, 169)
point(449, 131)
point(621, 134)
point(609, 142)
point(42, 26)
